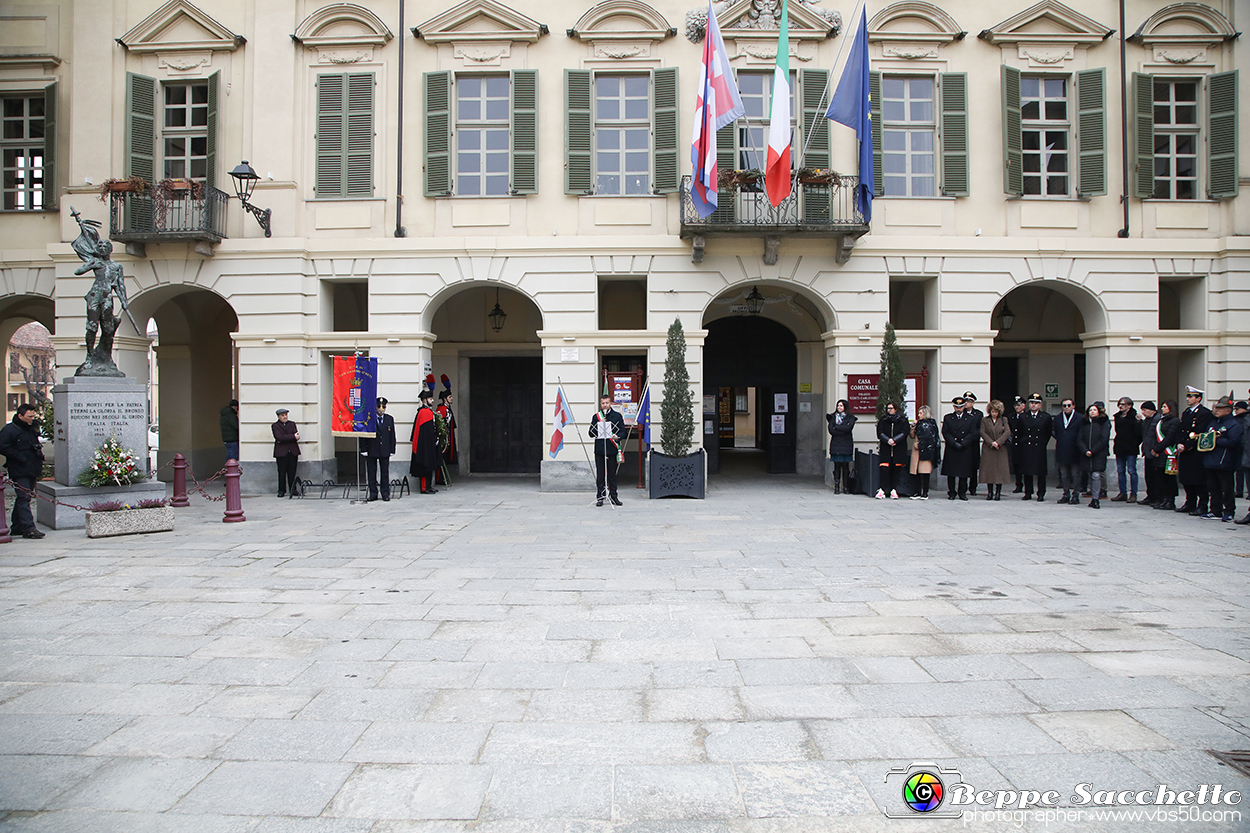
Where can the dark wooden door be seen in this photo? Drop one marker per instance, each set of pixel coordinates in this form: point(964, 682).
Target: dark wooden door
point(505, 403)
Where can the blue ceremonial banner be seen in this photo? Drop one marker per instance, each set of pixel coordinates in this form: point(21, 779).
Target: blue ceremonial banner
point(644, 415)
point(354, 403)
point(851, 105)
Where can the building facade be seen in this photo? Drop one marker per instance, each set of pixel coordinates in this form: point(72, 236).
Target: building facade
point(1048, 218)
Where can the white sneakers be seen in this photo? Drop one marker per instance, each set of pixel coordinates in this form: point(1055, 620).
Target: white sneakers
point(880, 495)
point(893, 495)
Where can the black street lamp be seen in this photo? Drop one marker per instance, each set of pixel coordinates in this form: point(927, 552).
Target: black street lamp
point(755, 301)
point(244, 183)
point(497, 316)
point(1006, 319)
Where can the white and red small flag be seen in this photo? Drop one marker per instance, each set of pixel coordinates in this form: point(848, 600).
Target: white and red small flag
point(718, 104)
point(562, 418)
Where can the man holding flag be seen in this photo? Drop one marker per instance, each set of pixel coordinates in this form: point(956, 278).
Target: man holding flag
point(852, 106)
point(718, 104)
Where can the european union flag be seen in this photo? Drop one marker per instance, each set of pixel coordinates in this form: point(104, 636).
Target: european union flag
point(644, 415)
point(852, 105)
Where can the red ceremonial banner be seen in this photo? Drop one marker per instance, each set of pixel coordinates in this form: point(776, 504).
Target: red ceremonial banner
point(341, 413)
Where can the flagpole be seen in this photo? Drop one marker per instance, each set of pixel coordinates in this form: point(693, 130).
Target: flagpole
point(862, 4)
point(589, 462)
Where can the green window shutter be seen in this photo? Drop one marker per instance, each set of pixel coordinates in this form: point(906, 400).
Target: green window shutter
point(1222, 135)
point(51, 201)
point(874, 98)
point(578, 133)
point(954, 134)
point(1013, 138)
point(358, 129)
point(726, 160)
point(210, 143)
point(140, 127)
point(331, 110)
point(664, 130)
point(815, 133)
point(1143, 135)
point(437, 134)
point(524, 176)
point(814, 136)
point(1091, 136)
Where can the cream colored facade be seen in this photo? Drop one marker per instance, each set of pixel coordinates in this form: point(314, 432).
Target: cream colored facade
point(259, 318)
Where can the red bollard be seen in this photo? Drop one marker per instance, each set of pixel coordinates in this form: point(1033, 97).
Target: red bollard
point(180, 482)
point(234, 495)
point(5, 537)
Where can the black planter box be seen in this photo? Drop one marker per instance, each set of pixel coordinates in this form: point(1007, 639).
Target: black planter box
point(676, 476)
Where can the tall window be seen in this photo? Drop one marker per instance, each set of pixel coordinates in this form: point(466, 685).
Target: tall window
point(908, 132)
point(756, 89)
point(622, 134)
point(1176, 140)
point(1045, 133)
point(483, 120)
point(22, 140)
point(184, 137)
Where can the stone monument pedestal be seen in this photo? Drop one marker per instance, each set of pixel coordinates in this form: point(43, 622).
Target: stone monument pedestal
point(89, 410)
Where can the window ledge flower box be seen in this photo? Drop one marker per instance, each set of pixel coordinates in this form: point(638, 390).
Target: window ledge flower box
point(129, 522)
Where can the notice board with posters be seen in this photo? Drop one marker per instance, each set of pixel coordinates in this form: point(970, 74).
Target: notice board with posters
point(625, 391)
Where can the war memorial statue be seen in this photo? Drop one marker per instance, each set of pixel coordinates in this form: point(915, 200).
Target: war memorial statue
point(102, 321)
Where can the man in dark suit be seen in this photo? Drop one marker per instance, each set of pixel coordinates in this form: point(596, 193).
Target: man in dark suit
point(1034, 436)
point(1065, 428)
point(607, 429)
point(377, 451)
point(1195, 420)
point(961, 432)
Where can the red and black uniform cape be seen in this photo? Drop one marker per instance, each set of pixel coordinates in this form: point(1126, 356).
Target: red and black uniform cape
point(425, 453)
point(450, 455)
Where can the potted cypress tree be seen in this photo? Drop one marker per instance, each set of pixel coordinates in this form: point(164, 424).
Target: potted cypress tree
point(674, 471)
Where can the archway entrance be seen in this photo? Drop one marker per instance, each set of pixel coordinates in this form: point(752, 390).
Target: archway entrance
point(194, 375)
point(25, 323)
point(495, 375)
point(750, 367)
point(1041, 351)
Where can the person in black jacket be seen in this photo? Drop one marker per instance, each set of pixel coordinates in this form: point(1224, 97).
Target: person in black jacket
point(970, 405)
point(1127, 443)
point(377, 451)
point(1013, 422)
point(1032, 436)
point(23, 457)
point(1094, 443)
point(1167, 436)
point(1065, 427)
point(926, 452)
point(1195, 420)
point(607, 429)
point(1149, 441)
point(960, 431)
point(841, 445)
point(892, 430)
point(286, 452)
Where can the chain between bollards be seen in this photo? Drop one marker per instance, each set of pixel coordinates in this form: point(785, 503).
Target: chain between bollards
point(234, 495)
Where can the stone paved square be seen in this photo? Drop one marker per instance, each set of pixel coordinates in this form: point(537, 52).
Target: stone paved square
point(495, 658)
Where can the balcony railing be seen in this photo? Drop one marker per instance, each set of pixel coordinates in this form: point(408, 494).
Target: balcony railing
point(820, 208)
point(154, 217)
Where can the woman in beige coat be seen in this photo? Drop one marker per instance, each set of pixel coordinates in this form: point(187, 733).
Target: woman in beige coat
point(995, 456)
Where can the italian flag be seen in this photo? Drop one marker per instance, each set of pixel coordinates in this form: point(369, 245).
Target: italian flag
point(777, 172)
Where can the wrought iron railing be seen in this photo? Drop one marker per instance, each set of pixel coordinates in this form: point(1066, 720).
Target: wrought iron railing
point(147, 217)
point(744, 207)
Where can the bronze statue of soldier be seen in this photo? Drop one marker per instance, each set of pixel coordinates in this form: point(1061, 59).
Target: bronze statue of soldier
point(102, 321)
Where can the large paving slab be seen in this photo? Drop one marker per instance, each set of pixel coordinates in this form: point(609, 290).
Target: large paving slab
point(501, 660)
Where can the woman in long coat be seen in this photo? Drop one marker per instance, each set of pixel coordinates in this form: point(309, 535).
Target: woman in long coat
point(841, 445)
point(926, 450)
point(1094, 443)
point(995, 451)
point(1167, 435)
point(892, 431)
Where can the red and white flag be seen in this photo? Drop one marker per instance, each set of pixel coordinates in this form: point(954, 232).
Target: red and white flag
point(777, 171)
point(718, 104)
point(562, 418)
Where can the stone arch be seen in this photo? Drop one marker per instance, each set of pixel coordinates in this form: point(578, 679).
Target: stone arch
point(342, 24)
point(16, 310)
point(622, 19)
point(439, 300)
point(1184, 23)
point(805, 313)
point(914, 20)
point(1091, 308)
point(192, 369)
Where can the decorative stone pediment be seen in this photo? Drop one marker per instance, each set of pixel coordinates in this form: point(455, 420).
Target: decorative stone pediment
point(913, 22)
point(179, 26)
point(621, 21)
point(1183, 33)
point(759, 20)
point(342, 26)
point(1048, 24)
point(475, 24)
